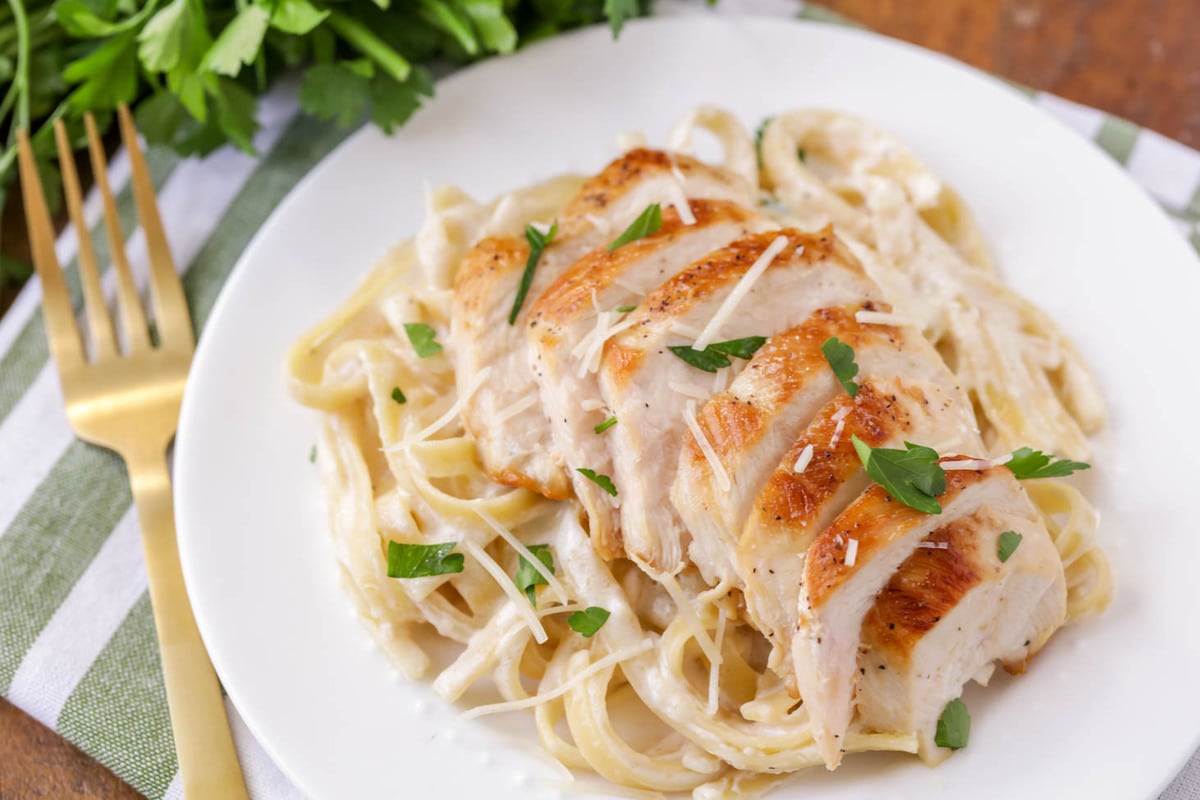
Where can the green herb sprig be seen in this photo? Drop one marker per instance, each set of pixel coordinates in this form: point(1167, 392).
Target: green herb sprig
point(423, 339)
point(588, 621)
point(954, 726)
point(841, 360)
point(648, 223)
point(911, 476)
point(716, 355)
point(603, 481)
point(528, 578)
point(423, 560)
point(538, 242)
point(1028, 463)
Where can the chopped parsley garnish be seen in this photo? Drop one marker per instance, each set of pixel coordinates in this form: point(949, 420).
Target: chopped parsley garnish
point(841, 360)
point(716, 355)
point(423, 339)
point(625, 309)
point(911, 476)
point(800, 154)
point(603, 426)
point(538, 242)
point(954, 726)
point(528, 578)
point(603, 481)
point(648, 222)
point(588, 621)
point(398, 396)
point(312, 455)
point(1029, 463)
point(422, 560)
point(1006, 545)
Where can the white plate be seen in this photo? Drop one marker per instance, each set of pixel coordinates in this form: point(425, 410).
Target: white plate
point(1110, 710)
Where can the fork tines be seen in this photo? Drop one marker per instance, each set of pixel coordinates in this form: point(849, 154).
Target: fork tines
point(170, 307)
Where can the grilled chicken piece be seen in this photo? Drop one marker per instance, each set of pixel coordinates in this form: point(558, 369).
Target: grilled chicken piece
point(568, 325)
point(502, 413)
point(650, 389)
point(947, 614)
point(838, 591)
point(755, 422)
point(796, 505)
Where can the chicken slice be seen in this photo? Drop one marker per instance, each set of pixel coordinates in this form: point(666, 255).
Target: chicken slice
point(569, 323)
point(838, 591)
point(502, 411)
point(753, 424)
point(650, 389)
point(951, 610)
point(800, 499)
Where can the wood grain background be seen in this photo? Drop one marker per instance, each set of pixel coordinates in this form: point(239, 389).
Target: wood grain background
point(1139, 59)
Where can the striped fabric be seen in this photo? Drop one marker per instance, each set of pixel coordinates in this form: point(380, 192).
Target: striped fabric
point(77, 644)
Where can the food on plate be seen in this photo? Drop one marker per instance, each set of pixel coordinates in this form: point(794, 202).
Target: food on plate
point(722, 470)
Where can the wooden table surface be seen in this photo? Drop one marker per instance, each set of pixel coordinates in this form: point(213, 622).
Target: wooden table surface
point(1135, 58)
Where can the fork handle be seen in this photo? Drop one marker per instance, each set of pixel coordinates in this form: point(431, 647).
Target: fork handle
point(207, 760)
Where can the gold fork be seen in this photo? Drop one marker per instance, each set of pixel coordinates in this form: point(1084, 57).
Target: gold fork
point(129, 403)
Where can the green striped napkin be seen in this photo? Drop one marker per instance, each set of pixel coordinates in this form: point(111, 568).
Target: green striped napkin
point(77, 644)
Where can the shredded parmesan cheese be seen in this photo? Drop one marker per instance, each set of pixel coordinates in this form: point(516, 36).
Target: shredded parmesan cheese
point(683, 329)
point(714, 463)
point(679, 200)
point(935, 545)
point(747, 280)
point(687, 389)
point(714, 670)
point(880, 318)
point(523, 404)
point(975, 463)
point(519, 601)
point(851, 552)
point(688, 614)
point(599, 223)
point(564, 687)
point(803, 461)
point(839, 417)
point(453, 411)
point(535, 562)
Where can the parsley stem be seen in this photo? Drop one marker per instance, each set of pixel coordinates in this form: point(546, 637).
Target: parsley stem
point(370, 45)
point(21, 76)
point(442, 16)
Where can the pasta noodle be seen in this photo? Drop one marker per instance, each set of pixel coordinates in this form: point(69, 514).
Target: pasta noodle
point(676, 656)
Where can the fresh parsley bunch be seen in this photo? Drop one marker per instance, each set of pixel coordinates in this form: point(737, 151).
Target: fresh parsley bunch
point(194, 68)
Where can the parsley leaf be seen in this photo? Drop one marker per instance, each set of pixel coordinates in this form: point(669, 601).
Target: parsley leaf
point(954, 726)
point(422, 560)
point(239, 43)
point(647, 223)
point(335, 91)
point(716, 355)
point(537, 243)
point(744, 348)
point(398, 396)
point(312, 455)
point(1006, 545)
point(625, 309)
point(618, 11)
point(603, 481)
point(603, 426)
point(911, 476)
point(588, 621)
point(1028, 463)
point(841, 360)
point(528, 578)
point(296, 17)
point(801, 155)
point(423, 339)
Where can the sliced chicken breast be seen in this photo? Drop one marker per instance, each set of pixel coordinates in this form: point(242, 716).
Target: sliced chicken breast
point(569, 323)
point(502, 412)
point(949, 612)
point(650, 389)
point(838, 591)
point(757, 420)
point(819, 476)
